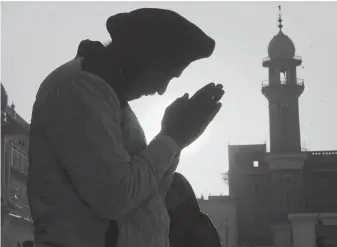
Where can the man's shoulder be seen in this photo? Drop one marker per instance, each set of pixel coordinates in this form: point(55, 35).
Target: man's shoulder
point(57, 79)
point(69, 77)
point(91, 85)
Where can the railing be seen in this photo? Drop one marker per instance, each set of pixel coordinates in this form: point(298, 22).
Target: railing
point(279, 152)
point(265, 83)
point(299, 58)
point(266, 59)
point(300, 82)
point(321, 153)
point(283, 81)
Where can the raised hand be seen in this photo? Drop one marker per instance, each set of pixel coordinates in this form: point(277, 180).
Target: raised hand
point(186, 119)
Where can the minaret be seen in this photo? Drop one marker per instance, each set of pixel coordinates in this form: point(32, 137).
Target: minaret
point(285, 159)
point(282, 91)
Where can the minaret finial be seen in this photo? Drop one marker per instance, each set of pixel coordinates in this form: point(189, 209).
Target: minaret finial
point(280, 17)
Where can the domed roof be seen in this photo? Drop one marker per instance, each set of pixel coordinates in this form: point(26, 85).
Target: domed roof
point(281, 46)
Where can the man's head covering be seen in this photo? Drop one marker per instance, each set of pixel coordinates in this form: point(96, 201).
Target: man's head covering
point(149, 35)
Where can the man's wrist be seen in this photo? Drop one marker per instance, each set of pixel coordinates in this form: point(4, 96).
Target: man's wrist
point(172, 141)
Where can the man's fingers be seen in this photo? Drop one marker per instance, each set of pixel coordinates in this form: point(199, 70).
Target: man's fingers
point(218, 95)
point(209, 117)
point(217, 92)
point(214, 112)
point(203, 92)
point(220, 86)
point(180, 100)
point(209, 92)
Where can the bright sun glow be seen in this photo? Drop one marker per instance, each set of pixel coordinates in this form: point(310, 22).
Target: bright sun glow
point(151, 121)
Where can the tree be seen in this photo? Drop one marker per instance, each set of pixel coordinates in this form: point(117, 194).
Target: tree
point(225, 177)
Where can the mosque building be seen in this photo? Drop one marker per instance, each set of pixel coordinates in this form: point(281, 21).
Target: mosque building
point(286, 196)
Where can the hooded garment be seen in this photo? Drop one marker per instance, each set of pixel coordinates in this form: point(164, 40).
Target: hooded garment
point(188, 225)
point(148, 35)
point(90, 164)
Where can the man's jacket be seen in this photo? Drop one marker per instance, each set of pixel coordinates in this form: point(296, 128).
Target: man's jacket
point(90, 166)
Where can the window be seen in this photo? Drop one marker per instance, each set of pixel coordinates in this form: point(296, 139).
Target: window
point(25, 168)
point(283, 77)
point(22, 163)
point(13, 184)
point(256, 163)
point(21, 143)
point(19, 161)
point(14, 189)
point(26, 165)
point(19, 189)
point(19, 192)
point(14, 159)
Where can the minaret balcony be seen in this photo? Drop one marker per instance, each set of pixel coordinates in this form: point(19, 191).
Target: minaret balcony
point(266, 59)
point(299, 82)
point(295, 60)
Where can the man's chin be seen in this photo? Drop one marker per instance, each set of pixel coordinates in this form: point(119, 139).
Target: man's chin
point(150, 94)
point(134, 97)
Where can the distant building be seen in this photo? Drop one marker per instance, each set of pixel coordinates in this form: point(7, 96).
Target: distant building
point(286, 196)
point(16, 223)
point(222, 212)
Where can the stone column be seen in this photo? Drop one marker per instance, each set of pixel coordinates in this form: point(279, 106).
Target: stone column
point(304, 227)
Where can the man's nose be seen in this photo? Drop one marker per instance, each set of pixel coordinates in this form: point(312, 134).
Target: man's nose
point(161, 91)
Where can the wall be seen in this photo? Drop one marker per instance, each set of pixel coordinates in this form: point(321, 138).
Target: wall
point(15, 130)
point(320, 179)
point(222, 212)
point(250, 186)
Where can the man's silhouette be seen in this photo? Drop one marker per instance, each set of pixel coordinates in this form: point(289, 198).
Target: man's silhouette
point(92, 175)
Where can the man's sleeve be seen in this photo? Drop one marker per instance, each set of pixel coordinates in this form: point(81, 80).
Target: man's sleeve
point(167, 179)
point(82, 123)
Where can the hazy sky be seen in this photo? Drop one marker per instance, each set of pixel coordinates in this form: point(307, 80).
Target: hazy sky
point(39, 36)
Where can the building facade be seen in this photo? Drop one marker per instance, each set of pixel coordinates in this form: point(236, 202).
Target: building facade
point(222, 212)
point(286, 196)
point(16, 223)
